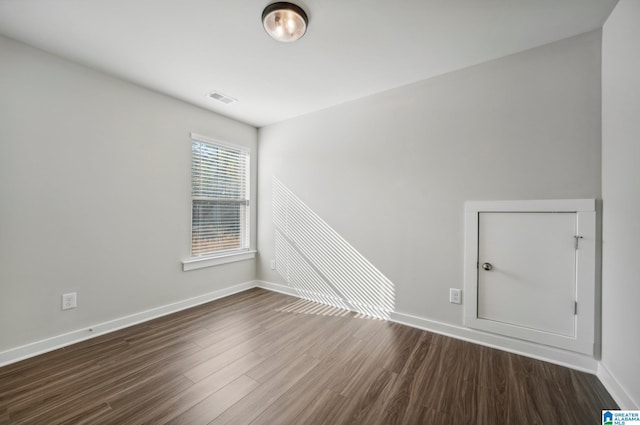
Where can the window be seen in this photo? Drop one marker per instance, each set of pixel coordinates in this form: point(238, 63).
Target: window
point(219, 197)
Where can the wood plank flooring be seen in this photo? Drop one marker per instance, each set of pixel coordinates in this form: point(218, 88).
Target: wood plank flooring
point(264, 358)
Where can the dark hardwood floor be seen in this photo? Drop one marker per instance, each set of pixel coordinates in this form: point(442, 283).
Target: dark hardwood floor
point(264, 358)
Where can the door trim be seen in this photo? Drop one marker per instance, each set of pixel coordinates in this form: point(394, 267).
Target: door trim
point(585, 210)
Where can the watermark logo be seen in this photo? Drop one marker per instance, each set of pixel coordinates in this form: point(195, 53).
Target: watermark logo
point(620, 417)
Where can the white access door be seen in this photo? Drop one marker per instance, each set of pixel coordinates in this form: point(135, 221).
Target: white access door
point(527, 270)
point(530, 270)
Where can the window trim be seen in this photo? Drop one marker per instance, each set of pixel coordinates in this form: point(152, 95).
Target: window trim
point(223, 256)
point(200, 138)
point(195, 263)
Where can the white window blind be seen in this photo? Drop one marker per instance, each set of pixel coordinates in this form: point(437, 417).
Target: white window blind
point(220, 198)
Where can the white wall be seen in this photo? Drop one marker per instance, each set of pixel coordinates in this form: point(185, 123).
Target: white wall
point(95, 196)
point(621, 201)
point(390, 172)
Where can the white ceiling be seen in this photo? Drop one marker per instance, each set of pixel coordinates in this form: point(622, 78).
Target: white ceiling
point(353, 48)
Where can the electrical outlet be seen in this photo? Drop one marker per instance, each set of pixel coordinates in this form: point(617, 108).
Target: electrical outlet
point(455, 296)
point(273, 264)
point(68, 301)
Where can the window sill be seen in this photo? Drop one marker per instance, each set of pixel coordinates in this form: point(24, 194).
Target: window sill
point(202, 262)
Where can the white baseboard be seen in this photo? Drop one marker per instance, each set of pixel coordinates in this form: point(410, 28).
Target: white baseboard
point(276, 287)
point(560, 357)
point(615, 389)
point(539, 352)
point(549, 354)
point(39, 347)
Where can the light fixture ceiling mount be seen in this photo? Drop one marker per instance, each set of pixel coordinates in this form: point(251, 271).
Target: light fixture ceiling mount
point(284, 21)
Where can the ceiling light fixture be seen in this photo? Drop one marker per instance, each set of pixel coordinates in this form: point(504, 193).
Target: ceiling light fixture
point(284, 21)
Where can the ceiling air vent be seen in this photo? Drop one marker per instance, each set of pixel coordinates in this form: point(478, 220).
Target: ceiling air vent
point(220, 97)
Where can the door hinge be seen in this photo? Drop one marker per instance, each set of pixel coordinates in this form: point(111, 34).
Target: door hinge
point(575, 308)
point(578, 240)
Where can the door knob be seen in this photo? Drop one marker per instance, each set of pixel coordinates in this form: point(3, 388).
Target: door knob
point(487, 266)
